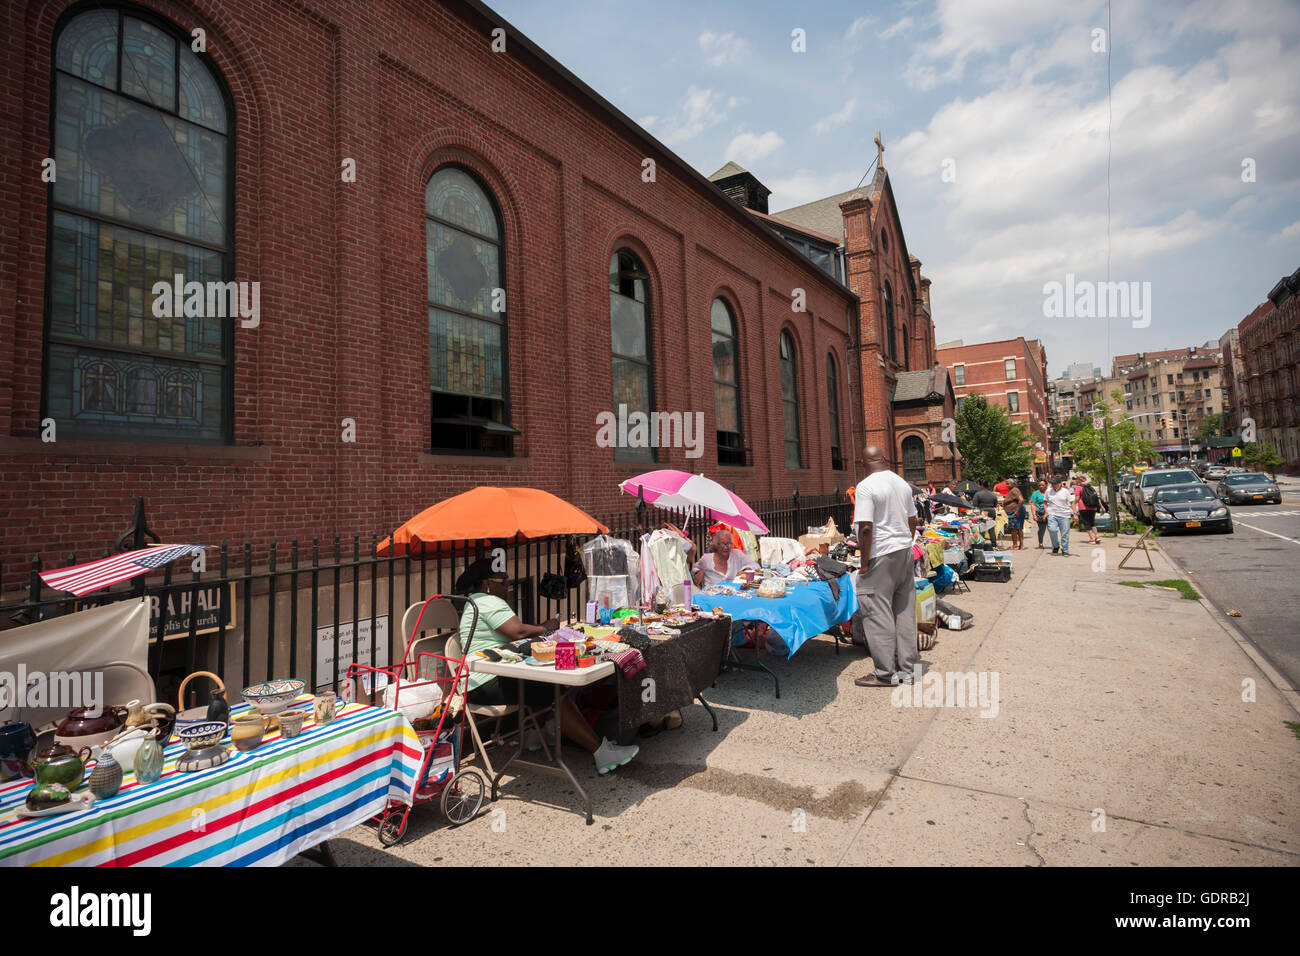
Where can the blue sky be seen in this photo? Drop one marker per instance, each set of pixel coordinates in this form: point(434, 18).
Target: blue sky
point(1013, 94)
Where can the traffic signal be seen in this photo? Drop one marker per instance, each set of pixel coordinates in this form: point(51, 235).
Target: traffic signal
point(1164, 423)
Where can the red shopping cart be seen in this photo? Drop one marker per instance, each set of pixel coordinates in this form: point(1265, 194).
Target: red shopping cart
point(429, 690)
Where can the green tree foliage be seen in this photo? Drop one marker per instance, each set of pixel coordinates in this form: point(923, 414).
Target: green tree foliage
point(992, 446)
point(1127, 446)
point(1075, 423)
point(1209, 427)
point(1263, 456)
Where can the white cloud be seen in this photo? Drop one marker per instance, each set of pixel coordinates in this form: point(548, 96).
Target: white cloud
point(836, 119)
point(805, 186)
point(1290, 233)
point(894, 29)
point(860, 24)
point(724, 48)
point(748, 148)
point(700, 110)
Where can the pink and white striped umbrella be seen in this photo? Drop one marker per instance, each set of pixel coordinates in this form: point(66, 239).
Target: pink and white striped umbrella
point(669, 488)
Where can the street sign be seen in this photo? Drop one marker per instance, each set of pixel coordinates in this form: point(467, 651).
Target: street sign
point(1236, 453)
point(1097, 423)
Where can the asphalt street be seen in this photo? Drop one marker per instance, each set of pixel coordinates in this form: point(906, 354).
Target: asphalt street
point(1253, 571)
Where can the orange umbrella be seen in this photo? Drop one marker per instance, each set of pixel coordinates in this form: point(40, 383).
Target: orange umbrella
point(505, 515)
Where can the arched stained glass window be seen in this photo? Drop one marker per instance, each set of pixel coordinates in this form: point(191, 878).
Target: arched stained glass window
point(833, 411)
point(629, 323)
point(726, 384)
point(790, 402)
point(142, 195)
point(468, 365)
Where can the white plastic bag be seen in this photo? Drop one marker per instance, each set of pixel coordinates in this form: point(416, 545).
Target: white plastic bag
point(417, 701)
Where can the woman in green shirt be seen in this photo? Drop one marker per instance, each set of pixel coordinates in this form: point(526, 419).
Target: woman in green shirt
point(1038, 501)
point(498, 624)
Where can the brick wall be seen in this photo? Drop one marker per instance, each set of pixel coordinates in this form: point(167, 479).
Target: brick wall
point(403, 88)
point(985, 373)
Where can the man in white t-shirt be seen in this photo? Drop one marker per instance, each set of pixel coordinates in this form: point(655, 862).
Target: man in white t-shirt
point(1061, 508)
point(885, 517)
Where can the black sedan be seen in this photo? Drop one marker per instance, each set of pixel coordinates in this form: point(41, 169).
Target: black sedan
point(1193, 507)
point(1249, 488)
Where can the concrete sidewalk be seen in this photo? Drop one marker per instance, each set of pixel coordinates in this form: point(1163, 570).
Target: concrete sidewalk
point(1120, 737)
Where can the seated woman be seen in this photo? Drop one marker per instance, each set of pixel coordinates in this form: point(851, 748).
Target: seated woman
point(721, 563)
point(498, 624)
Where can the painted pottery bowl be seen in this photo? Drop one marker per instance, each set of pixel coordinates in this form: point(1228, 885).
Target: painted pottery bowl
point(200, 735)
point(273, 696)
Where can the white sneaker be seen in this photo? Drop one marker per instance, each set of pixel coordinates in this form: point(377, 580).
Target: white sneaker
point(610, 755)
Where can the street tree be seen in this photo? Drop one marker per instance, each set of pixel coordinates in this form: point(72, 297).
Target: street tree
point(1127, 446)
point(1262, 455)
point(1075, 423)
point(1211, 426)
point(992, 446)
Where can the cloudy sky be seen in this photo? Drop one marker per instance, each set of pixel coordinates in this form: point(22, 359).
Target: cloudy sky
point(1010, 98)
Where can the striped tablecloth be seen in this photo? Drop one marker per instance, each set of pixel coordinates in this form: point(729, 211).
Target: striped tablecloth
point(257, 809)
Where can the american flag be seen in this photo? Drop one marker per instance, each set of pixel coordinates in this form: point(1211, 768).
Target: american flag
point(83, 578)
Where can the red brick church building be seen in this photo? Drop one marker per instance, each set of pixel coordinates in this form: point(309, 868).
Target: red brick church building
point(906, 392)
point(427, 257)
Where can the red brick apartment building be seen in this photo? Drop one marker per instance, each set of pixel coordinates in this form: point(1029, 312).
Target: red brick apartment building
point(463, 255)
point(1011, 373)
point(1270, 352)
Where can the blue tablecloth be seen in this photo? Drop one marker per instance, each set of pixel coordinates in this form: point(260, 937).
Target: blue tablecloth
point(806, 610)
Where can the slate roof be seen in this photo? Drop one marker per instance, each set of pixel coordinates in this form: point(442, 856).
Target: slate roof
point(822, 215)
point(917, 386)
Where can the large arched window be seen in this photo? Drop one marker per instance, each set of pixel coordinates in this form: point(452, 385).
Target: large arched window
point(790, 402)
point(914, 459)
point(890, 337)
point(629, 324)
point(833, 411)
point(470, 407)
point(726, 385)
point(141, 195)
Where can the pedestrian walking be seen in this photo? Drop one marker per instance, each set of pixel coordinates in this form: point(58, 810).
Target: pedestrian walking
point(1089, 503)
point(885, 517)
point(1060, 511)
point(1038, 501)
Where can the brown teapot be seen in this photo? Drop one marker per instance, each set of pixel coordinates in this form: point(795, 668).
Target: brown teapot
point(80, 730)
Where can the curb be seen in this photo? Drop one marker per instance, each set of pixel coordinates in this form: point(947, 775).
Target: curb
point(1289, 694)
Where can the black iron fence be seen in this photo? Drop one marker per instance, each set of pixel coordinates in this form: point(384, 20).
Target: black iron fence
point(316, 606)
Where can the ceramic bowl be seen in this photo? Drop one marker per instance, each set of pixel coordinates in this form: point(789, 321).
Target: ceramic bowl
point(246, 731)
point(205, 734)
point(291, 723)
point(273, 696)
